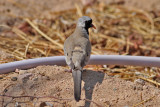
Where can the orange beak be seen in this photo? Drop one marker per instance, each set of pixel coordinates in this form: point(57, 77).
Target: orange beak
point(93, 26)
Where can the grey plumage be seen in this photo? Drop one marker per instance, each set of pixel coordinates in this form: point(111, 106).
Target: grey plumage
point(77, 49)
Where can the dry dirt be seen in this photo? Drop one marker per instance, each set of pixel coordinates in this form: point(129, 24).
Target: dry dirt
point(96, 86)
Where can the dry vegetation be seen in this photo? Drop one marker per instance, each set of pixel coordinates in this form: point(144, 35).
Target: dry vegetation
point(120, 30)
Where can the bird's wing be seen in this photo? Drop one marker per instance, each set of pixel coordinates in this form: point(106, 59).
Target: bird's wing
point(68, 52)
point(88, 50)
point(81, 54)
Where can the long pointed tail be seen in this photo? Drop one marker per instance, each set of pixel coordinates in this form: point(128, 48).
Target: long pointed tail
point(77, 77)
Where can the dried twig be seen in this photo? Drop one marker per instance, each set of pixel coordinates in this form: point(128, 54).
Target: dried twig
point(142, 102)
point(39, 97)
point(151, 81)
point(43, 34)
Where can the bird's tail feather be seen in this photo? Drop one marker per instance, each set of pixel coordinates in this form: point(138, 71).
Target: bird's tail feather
point(77, 78)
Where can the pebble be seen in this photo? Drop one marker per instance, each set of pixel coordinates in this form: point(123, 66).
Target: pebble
point(134, 87)
point(35, 79)
point(45, 77)
point(17, 105)
point(101, 99)
point(140, 81)
point(14, 78)
point(24, 77)
point(114, 89)
point(145, 87)
point(20, 71)
point(139, 88)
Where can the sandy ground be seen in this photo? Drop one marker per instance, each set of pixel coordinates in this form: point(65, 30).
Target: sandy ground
point(54, 81)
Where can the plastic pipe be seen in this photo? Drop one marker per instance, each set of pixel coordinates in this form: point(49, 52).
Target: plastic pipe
point(94, 60)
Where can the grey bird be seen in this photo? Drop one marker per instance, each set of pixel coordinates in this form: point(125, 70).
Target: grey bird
point(77, 50)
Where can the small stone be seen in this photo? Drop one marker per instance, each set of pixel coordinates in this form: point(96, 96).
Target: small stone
point(5, 90)
point(108, 103)
point(45, 77)
point(17, 70)
point(114, 89)
point(17, 105)
point(134, 87)
point(35, 79)
point(145, 87)
point(20, 71)
point(140, 88)
point(24, 77)
point(140, 81)
point(14, 78)
point(35, 90)
point(43, 74)
point(101, 99)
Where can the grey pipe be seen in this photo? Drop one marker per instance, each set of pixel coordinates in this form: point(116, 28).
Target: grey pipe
point(94, 60)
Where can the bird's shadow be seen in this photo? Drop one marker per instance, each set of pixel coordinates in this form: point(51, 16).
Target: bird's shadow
point(91, 78)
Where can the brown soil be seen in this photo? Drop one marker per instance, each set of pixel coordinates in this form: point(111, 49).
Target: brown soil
point(96, 86)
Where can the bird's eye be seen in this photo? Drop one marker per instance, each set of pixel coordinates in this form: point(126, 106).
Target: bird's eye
point(86, 22)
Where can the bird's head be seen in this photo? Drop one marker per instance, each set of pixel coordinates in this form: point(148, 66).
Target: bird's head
point(85, 22)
